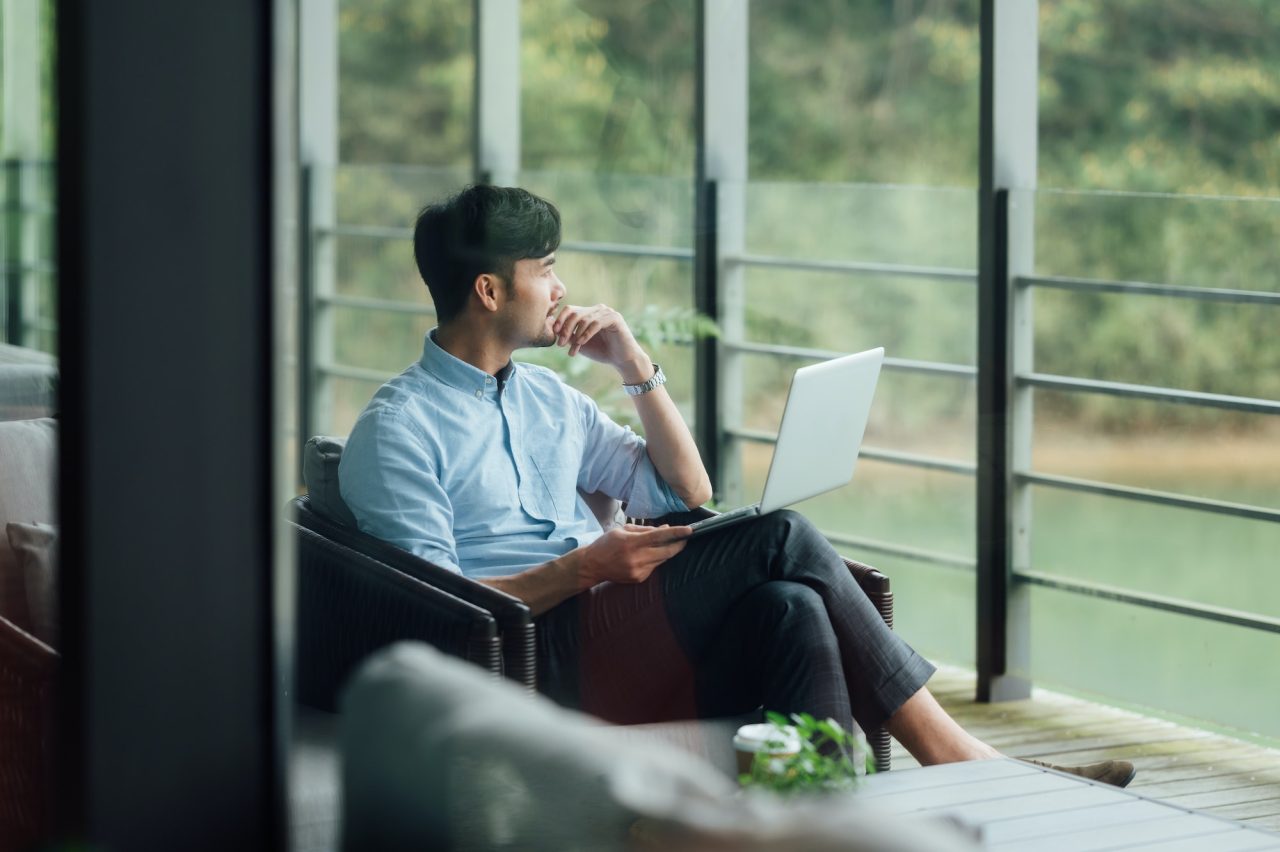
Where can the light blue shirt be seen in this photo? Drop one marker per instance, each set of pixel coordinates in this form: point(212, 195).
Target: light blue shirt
point(482, 474)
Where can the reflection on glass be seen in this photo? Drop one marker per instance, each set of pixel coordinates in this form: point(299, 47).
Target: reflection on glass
point(917, 509)
point(406, 78)
point(912, 412)
point(29, 371)
point(1179, 553)
point(608, 89)
point(1189, 667)
point(1198, 451)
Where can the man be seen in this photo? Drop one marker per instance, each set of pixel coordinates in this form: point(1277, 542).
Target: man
point(477, 463)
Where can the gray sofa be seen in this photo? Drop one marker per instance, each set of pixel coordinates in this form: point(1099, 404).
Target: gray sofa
point(28, 469)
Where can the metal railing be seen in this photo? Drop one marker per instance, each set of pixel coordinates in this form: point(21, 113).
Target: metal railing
point(27, 271)
point(732, 434)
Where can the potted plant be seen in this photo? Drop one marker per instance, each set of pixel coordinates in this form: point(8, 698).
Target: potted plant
point(808, 755)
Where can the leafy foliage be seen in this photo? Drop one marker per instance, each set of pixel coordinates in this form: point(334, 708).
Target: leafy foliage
point(830, 758)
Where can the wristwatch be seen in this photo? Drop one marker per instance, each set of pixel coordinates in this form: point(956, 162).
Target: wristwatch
point(658, 378)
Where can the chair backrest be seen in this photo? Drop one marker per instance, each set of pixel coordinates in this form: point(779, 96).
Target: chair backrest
point(349, 605)
point(323, 512)
point(320, 458)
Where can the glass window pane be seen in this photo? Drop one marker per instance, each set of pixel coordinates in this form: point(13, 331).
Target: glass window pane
point(406, 78)
point(1160, 663)
point(608, 88)
point(1198, 451)
point(1173, 552)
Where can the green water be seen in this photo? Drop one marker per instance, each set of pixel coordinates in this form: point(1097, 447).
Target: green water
point(1171, 665)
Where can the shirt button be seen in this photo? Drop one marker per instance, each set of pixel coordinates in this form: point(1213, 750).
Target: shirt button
point(479, 393)
point(488, 380)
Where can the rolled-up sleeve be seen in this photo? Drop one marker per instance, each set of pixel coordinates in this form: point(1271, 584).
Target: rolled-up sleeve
point(388, 479)
point(615, 462)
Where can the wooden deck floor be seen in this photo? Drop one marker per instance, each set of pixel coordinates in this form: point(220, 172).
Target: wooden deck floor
point(1183, 766)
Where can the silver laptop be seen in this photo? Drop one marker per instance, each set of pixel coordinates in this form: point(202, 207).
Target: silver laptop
point(821, 433)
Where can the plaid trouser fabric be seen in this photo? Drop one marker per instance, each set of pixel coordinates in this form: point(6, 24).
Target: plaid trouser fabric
point(763, 613)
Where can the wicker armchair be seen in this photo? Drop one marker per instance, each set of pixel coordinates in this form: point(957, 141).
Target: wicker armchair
point(514, 623)
point(26, 685)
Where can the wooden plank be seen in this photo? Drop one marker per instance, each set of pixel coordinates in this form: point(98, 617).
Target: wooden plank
point(980, 813)
point(1242, 840)
point(1232, 764)
point(1148, 831)
point(1247, 812)
point(941, 776)
point(1209, 783)
point(1118, 812)
point(962, 793)
point(1186, 767)
point(1225, 797)
point(1271, 823)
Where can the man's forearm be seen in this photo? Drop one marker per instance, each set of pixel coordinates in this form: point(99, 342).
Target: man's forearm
point(671, 448)
point(544, 586)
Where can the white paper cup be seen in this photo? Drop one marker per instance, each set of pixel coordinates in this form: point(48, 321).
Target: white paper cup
point(764, 739)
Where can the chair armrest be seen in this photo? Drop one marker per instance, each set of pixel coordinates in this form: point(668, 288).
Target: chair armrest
point(513, 617)
point(350, 605)
point(27, 668)
point(876, 587)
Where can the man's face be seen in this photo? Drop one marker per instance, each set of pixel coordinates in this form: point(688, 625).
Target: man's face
point(535, 292)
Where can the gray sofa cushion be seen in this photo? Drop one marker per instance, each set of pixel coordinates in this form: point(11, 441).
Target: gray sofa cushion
point(28, 467)
point(437, 754)
point(27, 391)
point(36, 547)
point(320, 459)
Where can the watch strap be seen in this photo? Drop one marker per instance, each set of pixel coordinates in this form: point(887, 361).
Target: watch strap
point(658, 378)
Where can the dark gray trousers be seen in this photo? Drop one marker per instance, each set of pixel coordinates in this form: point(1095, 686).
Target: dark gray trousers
point(761, 614)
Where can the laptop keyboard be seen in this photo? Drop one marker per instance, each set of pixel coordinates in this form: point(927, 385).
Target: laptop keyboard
point(716, 520)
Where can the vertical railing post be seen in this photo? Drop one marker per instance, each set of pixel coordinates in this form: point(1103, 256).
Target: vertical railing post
point(496, 105)
point(13, 255)
point(706, 369)
point(20, 100)
point(318, 154)
point(1007, 159)
point(306, 311)
point(721, 183)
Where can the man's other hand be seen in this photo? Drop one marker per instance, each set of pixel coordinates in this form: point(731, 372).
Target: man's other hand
point(600, 333)
point(629, 553)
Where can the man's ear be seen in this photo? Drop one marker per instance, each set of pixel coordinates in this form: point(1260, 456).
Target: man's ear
point(489, 289)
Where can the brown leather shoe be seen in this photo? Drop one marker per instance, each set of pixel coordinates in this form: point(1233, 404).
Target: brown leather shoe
point(1117, 773)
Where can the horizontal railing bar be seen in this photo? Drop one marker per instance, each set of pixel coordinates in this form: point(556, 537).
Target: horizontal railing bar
point(372, 232)
point(853, 267)
point(760, 436)
point(346, 371)
point(30, 209)
point(1142, 288)
point(628, 250)
point(905, 365)
point(370, 304)
point(1210, 400)
point(916, 553)
point(920, 461)
point(38, 267)
point(1163, 498)
point(1150, 601)
point(375, 232)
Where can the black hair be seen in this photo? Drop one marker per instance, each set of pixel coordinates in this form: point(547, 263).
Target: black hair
point(480, 229)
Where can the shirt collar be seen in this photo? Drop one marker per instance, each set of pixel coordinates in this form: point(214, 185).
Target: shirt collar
point(458, 373)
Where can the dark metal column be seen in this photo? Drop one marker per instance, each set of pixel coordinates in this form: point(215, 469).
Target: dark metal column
point(1007, 159)
point(165, 246)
